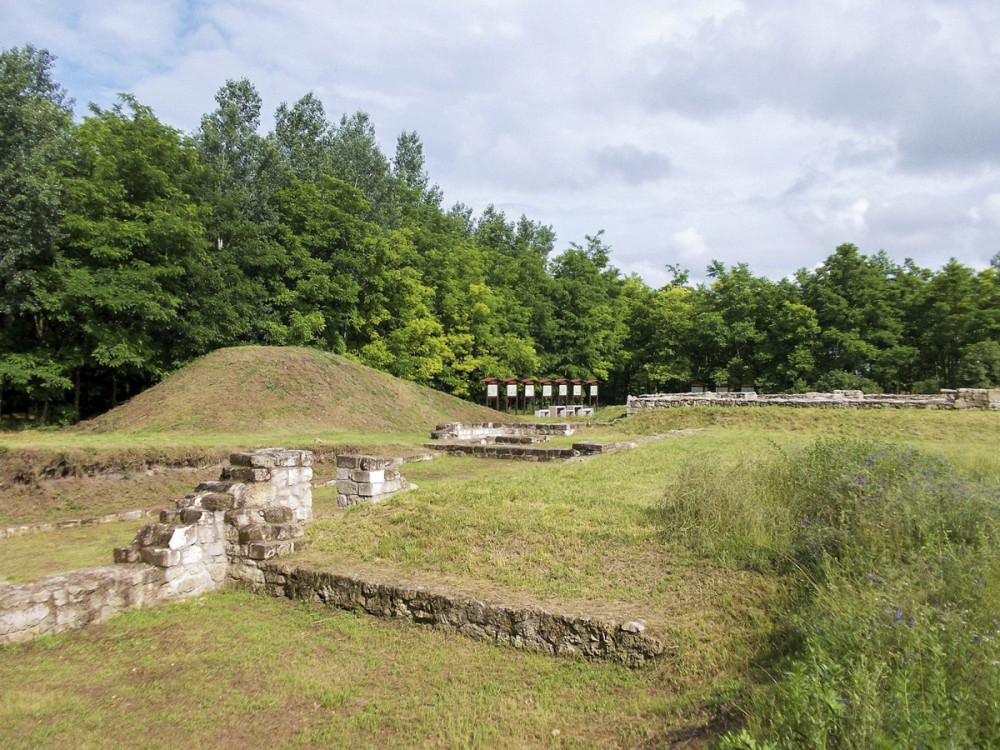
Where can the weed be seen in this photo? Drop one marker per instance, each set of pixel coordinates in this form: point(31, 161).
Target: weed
point(894, 640)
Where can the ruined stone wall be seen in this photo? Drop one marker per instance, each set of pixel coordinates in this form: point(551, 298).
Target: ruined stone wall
point(220, 531)
point(526, 627)
point(38, 528)
point(367, 479)
point(463, 431)
point(962, 398)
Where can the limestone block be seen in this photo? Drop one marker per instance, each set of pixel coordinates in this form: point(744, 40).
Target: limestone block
point(259, 495)
point(247, 475)
point(278, 515)
point(374, 463)
point(154, 535)
point(160, 557)
point(126, 554)
point(348, 461)
point(236, 489)
point(21, 624)
point(196, 582)
point(192, 516)
point(182, 536)
point(215, 501)
point(188, 501)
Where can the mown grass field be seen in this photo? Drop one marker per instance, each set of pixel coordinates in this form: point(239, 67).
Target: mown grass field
point(690, 532)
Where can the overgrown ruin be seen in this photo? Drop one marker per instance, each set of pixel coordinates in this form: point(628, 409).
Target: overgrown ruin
point(232, 532)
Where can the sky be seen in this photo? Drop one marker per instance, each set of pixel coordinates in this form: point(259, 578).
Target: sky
point(766, 132)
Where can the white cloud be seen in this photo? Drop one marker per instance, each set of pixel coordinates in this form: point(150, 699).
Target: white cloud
point(771, 131)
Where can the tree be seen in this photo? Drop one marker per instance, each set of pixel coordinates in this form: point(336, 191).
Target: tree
point(302, 137)
point(951, 321)
point(413, 184)
point(35, 121)
point(860, 320)
point(358, 161)
point(330, 260)
point(588, 312)
point(246, 170)
point(124, 290)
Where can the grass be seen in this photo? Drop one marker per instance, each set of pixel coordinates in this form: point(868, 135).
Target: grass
point(30, 556)
point(698, 533)
point(890, 552)
point(283, 389)
point(228, 670)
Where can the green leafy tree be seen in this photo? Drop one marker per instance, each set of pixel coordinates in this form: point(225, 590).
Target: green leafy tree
point(358, 160)
point(588, 313)
point(124, 290)
point(302, 137)
point(951, 320)
point(35, 122)
point(859, 317)
point(246, 170)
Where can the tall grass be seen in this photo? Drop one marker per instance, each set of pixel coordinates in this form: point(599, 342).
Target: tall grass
point(894, 555)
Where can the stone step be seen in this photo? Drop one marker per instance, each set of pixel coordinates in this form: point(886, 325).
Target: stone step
point(267, 532)
point(269, 549)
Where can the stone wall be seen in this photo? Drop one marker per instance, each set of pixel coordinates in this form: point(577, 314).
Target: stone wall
point(505, 451)
point(531, 628)
point(222, 530)
point(461, 431)
point(367, 479)
point(962, 398)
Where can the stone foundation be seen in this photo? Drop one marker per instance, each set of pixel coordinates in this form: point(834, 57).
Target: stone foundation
point(38, 528)
point(367, 479)
point(962, 398)
point(529, 628)
point(504, 452)
point(222, 530)
point(461, 431)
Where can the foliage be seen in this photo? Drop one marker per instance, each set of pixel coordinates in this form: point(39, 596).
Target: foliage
point(128, 249)
point(894, 642)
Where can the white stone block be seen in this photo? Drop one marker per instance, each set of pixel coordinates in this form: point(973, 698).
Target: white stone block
point(181, 537)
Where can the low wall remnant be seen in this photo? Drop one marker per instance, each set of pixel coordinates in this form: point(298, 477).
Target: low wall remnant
point(220, 531)
point(530, 628)
point(476, 431)
point(962, 398)
point(367, 479)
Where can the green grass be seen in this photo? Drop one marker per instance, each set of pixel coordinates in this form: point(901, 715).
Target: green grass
point(891, 553)
point(30, 556)
point(235, 670)
point(698, 533)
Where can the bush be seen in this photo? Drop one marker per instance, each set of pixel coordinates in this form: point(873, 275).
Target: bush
point(894, 643)
point(929, 386)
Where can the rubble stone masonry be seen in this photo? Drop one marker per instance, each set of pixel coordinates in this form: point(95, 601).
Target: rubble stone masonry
point(219, 532)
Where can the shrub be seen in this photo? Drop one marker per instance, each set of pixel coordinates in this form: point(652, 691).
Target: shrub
point(894, 642)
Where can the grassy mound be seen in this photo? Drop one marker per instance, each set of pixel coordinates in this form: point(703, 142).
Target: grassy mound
point(282, 390)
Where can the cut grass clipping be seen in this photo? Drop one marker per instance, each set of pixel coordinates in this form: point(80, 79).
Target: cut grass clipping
point(894, 639)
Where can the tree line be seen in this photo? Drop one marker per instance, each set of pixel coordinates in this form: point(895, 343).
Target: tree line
point(129, 248)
